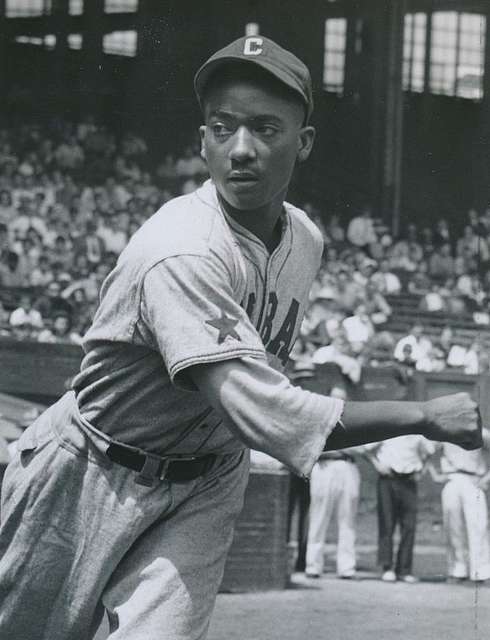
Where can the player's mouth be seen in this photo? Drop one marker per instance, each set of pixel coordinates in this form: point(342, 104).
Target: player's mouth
point(242, 178)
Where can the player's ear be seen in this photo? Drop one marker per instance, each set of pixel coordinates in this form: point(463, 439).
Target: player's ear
point(306, 137)
point(202, 133)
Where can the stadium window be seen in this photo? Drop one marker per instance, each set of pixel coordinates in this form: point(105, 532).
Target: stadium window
point(75, 41)
point(48, 41)
point(334, 55)
point(414, 51)
point(121, 6)
point(75, 7)
point(27, 8)
point(457, 54)
point(120, 43)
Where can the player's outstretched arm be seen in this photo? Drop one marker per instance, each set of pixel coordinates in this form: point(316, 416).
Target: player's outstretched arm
point(262, 408)
point(454, 418)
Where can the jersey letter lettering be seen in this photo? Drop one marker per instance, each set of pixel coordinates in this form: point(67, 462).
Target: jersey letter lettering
point(281, 344)
point(269, 318)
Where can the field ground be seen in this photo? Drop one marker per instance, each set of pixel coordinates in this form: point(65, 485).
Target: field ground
point(367, 609)
point(364, 609)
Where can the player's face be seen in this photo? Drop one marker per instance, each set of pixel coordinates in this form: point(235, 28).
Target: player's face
point(251, 141)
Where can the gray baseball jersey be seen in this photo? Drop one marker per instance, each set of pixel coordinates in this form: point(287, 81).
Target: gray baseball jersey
point(194, 287)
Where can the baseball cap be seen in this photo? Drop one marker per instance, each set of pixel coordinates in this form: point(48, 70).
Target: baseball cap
point(268, 55)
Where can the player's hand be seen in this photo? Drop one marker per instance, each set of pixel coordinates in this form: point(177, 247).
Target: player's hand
point(454, 418)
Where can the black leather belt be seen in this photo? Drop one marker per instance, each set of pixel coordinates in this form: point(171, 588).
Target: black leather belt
point(152, 468)
point(334, 458)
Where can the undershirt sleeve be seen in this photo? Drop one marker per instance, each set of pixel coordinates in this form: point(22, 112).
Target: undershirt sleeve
point(264, 410)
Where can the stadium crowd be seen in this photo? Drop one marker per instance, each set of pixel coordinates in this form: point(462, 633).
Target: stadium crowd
point(71, 195)
point(70, 198)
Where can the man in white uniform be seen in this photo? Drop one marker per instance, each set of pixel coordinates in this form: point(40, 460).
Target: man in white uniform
point(464, 506)
point(123, 495)
point(334, 486)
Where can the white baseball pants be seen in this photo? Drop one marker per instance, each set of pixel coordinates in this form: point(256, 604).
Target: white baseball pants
point(465, 517)
point(334, 485)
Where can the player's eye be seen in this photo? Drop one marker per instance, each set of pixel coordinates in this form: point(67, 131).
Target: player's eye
point(220, 131)
point(266, 131)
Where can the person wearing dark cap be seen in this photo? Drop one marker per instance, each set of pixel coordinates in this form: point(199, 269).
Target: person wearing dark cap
point(123, 495)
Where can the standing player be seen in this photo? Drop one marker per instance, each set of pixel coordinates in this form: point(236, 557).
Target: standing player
point(123, 495)
point(466, 476)
point(334, 487)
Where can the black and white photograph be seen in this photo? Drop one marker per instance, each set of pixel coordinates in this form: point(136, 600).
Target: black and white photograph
point(244, 320)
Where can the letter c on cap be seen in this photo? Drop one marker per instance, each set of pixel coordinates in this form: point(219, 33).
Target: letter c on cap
point(253, 46)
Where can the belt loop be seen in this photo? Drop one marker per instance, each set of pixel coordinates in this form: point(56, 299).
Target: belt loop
point(151, 471)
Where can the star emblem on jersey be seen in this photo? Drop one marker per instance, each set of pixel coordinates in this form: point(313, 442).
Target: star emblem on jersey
point(226, 327)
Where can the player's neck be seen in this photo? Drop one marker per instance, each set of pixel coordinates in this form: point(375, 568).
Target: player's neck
point(263, 222)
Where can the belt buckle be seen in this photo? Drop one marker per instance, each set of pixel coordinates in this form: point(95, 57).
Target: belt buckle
point(165, 465)
point(154, 468)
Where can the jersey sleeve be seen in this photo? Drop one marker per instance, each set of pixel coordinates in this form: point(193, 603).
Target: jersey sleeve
point(189, 305)
point(266, 412)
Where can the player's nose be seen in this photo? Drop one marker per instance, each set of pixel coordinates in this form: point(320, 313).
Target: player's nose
point(243, 145)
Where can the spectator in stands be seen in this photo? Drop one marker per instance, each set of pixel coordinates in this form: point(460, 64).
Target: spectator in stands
point(426, 241)
point(360, 231)
point(485, 222)
point(190, 165)
point(441, 263)
point(433, 301)
point(476, 245)
point(25, 314)
point(377, 308)
point(340, 353)
point(113, 237)
point(379, 351)
point(60, 331)
point(407, 360)
point(26, 219)
point(50, 301)
point(358, 329)
point(465, 261)
point(442, 234)
point(471, 359)
point(475, 223)
point(61, 255)
point(13, 271)
point(133, 146)
point(348, 292)
point(41, 275)
point(69, 155)
point(469, 286)
point(334, 229)
point(420, 344)
point(315, 216)
point(4, 242)
point(7, 209)
point(387, 282)
point(90, 244)
point(364, 271)
point(400, 259)
point(166, 174)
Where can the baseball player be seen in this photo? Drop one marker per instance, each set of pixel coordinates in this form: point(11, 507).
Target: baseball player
point(466, 476)
point(399, 463)
point(334, 486)
point(123, 495)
